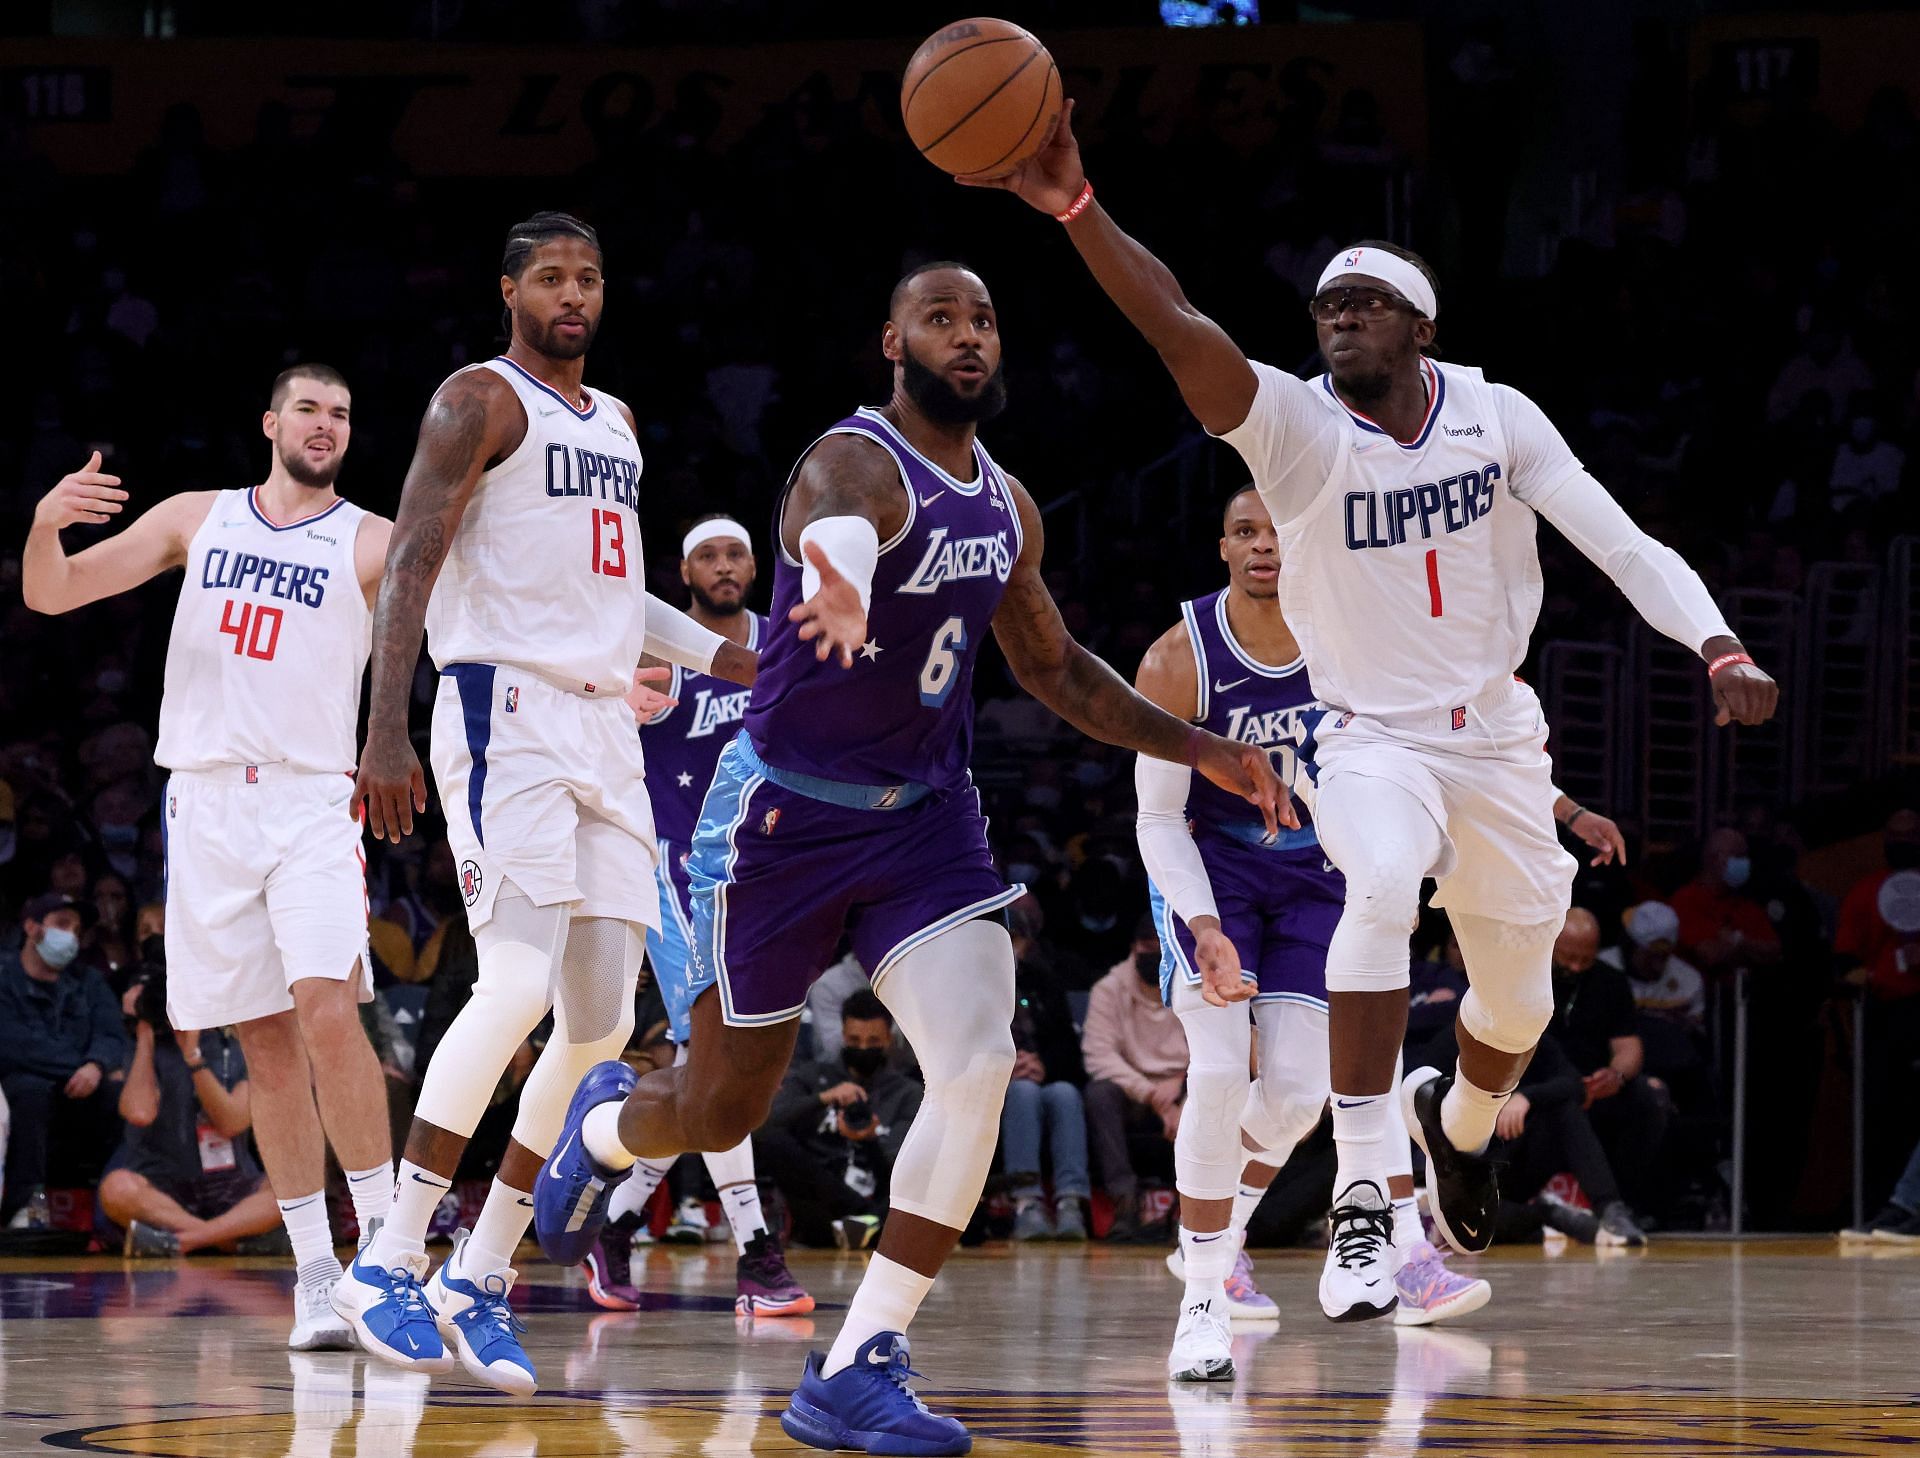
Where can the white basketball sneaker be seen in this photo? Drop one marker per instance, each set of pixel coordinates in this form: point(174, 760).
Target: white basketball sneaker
point(1202, 1344)
point(317, 1327)
point(1357, 1283)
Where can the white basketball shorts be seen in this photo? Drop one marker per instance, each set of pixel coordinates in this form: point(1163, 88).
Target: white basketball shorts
point(1483, 773)
point(266, 886)
point(546, 789)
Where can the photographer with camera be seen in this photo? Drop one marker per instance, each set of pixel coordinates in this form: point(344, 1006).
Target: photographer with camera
point(183, 1178)
point(835, 1130)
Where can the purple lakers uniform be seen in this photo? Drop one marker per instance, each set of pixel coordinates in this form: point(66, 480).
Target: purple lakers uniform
point(845, 805)
point(1279, 900)
point(682, 746)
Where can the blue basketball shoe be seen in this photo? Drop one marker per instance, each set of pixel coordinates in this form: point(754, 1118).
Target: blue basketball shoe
point(570, 1197)
point(389, 1314)
point(868, 1406)
point(473, 1312)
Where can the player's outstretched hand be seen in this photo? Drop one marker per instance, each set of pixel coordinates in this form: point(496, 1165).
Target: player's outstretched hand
point(1247, 771)
point(646, 702)
point(390, 786)
point(1609, 845)
point(833, 615)
point(1051, 179)
point(1742, 694)
point(1219, 964)
point(86, 497)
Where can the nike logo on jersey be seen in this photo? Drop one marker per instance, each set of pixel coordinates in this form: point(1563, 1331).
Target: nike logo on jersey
point(1221, 688)
point(926, 501)
point(1386, 518)
point(545, 413)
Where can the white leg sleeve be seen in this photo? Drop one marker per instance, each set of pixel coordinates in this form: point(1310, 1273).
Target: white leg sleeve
point(1385, 842)
point(1510, 968)
point(953, 998)
point(592, 1018)
point(1291, 1092)
point(1207, 1157)
point(519, 949)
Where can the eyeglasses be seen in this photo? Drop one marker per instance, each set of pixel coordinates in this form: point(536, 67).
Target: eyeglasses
point(1370, 304)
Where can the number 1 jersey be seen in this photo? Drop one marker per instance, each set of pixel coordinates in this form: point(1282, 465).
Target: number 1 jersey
point(269, 642)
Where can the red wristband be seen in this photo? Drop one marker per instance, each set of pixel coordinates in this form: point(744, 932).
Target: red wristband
point(1080, 205)
point(1727, 660)
point(1190, 751)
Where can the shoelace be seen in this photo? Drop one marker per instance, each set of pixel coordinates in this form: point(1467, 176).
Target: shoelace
point(898, 1373)
point(493, 1312)
point(1358, 1233)
point(409, 1295)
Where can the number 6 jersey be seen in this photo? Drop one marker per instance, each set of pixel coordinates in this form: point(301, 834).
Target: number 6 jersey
point(269, 642)
point(545, 573)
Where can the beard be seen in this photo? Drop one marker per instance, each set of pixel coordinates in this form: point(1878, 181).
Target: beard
point(939, 401)
point(718, 609)
point(1368, 386)
point(304, 472)
point(550, 342)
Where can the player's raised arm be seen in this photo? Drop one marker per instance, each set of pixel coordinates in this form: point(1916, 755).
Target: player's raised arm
point(53, 582)
point(1214, 376)
point(1052, 666)
point(845, 501)
point(474, 419)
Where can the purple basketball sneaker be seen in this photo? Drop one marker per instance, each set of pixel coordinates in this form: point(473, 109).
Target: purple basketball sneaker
point(767, 1287)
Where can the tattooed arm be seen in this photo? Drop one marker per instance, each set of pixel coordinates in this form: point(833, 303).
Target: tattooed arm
point(473, 422)
point(1089, 695)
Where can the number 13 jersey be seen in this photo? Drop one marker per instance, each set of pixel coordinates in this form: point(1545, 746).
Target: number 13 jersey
point(545, 574)
point(269, 642)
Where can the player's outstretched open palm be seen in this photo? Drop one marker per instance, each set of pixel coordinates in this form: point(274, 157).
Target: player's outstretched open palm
point(833, 619)
point(647, 702)
point(1246, 770)
point(87, 496)
point(1051, 179)
point(1219, 964)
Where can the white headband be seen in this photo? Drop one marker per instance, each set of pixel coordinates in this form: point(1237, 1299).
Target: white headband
point(1389, 268)
point(720, 526)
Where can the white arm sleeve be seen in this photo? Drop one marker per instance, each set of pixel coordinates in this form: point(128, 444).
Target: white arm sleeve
point(853, 546)
point(1655, 579)
point(1166, 845)
point(1289, 441)
point(674, 637)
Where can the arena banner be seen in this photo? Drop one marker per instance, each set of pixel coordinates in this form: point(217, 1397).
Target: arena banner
point(470, 110)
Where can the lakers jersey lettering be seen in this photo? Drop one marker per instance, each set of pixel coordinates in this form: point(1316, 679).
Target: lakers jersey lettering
point(713, 711)
point(1388, 518)
point(958, 561)
point(1268, 728)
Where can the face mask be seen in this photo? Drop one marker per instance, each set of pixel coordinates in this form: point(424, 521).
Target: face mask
point(57, 946)
point(1023, 872)
point(1147, 966)
point(1903, 855)
point(1737, 871)
point(864, 1062)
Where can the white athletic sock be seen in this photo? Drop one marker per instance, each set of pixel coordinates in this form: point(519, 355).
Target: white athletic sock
point(416, 1195)
point(1208, 1257)
point(1360, 1135)
point(888, 1297)
point(372, 1193)
point(1468, 1114)
point(312, 1236)
point(496, 1234)
point(600, 1132)
point(744, 1216)
point(1407, 1232)
point(1245, 1202)
point(631, 1195)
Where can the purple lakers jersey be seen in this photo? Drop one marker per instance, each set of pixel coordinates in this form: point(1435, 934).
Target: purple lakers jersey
point(683, 745)
point(1243, 699)
point(903, 714)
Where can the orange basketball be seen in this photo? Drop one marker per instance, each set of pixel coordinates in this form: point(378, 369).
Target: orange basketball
point(980, 96)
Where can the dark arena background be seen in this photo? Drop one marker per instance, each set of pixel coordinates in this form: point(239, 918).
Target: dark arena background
point(1686, 232)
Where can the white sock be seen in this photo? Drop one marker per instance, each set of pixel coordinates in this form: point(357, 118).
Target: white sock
point(416, 1195)
point(1208, 1257)
point(1467, 1115)
point(1407, 1231)
point(1360, 1135)
point(888, 1297)
point(600, 1132)
point(1245, 1202)
point(504, 1219)
point(631, 1195)
point(372, 1193)
point(312, 1236)
point(744, 1216)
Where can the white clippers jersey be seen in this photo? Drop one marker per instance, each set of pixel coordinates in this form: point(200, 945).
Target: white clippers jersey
point(270, 640)
point(1410, 575)
point(545, 573)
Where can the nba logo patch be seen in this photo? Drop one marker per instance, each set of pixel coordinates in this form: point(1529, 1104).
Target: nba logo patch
point(173, 807)
point(253, 774)
point(470, 881)
point(1352, 258)
point(768, 821)
point(1344, 720)
point(1460, 718)
point(513, 698)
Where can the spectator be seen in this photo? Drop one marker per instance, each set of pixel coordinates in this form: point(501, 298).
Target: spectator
point(1043, 1101)
point(1665, 986)
point(1721, 928)
point(1866, 469)
point(1136, 1057)
point(836, 1129)
point(111, 947)
point(62, 1046)
point(183, 1178)
point(1596, 1025)
point(1867, 945)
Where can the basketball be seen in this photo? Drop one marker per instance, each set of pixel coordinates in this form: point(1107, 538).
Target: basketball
point(980, 96)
